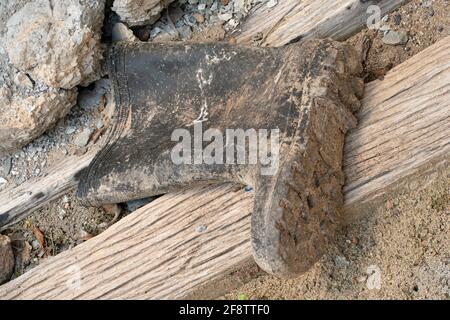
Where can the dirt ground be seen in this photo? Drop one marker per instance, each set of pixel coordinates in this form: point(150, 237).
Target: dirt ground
point(400, 251)
point(425, 22)
point(405, 244)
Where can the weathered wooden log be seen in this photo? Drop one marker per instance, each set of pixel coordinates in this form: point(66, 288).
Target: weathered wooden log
point(16, 203)
point(188, 240)
point(294, 20)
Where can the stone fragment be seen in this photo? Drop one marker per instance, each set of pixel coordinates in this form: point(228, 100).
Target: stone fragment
point(82, 138)
point(57, 42)
point(199, 17)
point(395, 37)
point(28, 107)
point(139, 12)
point(24, 117)
point(225, 16)
point(120, 32)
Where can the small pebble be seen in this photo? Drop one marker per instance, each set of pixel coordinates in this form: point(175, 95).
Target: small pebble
point(185, 32)
point(82, 138)
point(120, 32)
point(35, 244)
point(190, 20)
point(341, 262)
point(427, 3)
point(70, 130)
point(225, 16)
point(199, 17)
point(395, 37)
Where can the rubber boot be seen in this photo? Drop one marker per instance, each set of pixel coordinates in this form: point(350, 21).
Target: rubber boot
point(178, 105)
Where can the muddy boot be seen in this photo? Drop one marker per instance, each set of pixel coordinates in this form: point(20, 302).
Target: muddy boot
point(272, 118)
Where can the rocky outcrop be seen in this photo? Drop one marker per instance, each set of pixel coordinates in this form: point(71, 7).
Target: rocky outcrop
point(57, 42)
point(47, 48)
point(139, 12)
point(27, 110)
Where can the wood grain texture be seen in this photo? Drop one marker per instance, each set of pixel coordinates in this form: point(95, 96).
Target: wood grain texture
point(16, 203)
point(292, 20)
point(160, 251)
point(164, 251)
point(404, 124)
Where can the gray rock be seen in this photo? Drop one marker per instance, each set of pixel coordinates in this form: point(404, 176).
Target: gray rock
point(139, 12)
point(22, 80)
point(190, 20)
point(120, 32)
point(395, 37)
point(6, 259)
point(341, 262)
point(70, 130)
point(5, 166)
point(28, 105)
point(35, 244)
point(57, 42)
point(25, 116)
point(90, 99)
point(225, 16)
point(427, 3)
point(185, 32)
point(82, 138)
